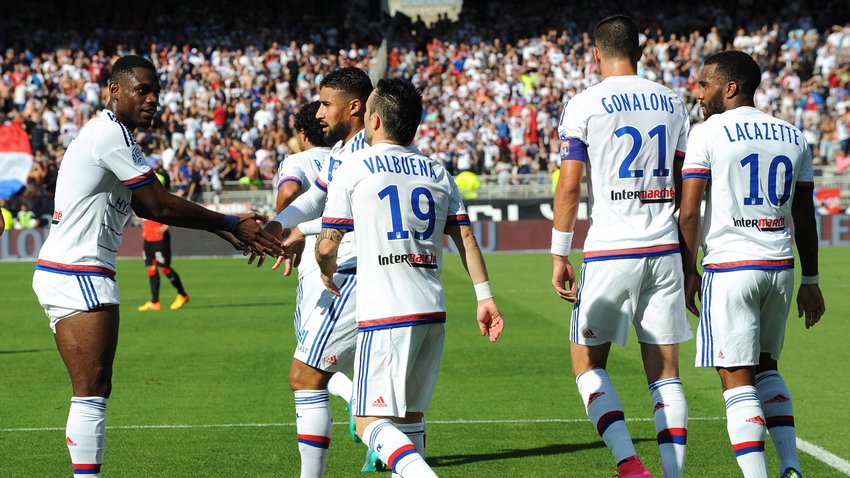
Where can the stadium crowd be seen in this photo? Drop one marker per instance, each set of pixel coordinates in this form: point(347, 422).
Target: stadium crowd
point(494, 82)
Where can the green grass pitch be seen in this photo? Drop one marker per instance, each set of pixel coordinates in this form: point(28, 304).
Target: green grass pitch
point(203, 392)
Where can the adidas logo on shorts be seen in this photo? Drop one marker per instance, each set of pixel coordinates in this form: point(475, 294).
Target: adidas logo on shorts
point(588, 334)
point(379, 402)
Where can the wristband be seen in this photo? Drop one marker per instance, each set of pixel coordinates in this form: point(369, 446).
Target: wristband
point(483, 291)
point(809, 280)
point(229, 223)
point(561, 242)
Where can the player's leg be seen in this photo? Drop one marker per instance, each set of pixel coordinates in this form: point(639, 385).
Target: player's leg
point(727, 339)
point(744, 420)
point(87, 343)
point(396, 369)
point(602, 316)
point(163, 257)
point(312, 417)
point(771, 389)
point(661, 324)
point(670, 409)
point(153, 277)
point(778, 410)
point(325, 345)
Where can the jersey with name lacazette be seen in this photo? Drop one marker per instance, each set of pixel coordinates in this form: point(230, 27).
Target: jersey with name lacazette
point(628, 131)
point(303, 169)
point(398, 203)
point(754, 163)
point(101, 167)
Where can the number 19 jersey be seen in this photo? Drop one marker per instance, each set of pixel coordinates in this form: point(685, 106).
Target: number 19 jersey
point(398, 203)
point(754, 163)
point(628, 131)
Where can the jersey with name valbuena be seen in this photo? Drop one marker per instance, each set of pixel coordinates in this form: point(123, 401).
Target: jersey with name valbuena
point(633, 130)
point(347, 254)
point(754, 163)
point(93, 193)
point(398, 203)
point(303, 169)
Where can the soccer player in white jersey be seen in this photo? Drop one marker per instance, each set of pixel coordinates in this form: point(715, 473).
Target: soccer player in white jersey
point(296, 174)
point(763, 172)
point(629, 134)
point(104, 177)
point(399, 203)
point(328, 329)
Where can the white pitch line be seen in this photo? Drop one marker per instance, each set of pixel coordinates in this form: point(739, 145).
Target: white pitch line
point(824, 456)
point(817, 452)
point(340, 424)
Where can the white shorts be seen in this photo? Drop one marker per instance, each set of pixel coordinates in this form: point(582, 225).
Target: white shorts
point(743, 315)
point(65, 294)
point(643, 291)
point(326, 325)
point(395, 370)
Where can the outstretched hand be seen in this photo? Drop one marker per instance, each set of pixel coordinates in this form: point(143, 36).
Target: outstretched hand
point(810, 303)
point(248, 230)
point(490, 320)
point(294, 248)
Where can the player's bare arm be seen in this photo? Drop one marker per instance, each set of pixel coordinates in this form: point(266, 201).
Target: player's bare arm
point(152, 201)
point(689, 233)
point(285, 195)
point(809, 298)
point(326, 249)
point(566, 203)
point(489, 318)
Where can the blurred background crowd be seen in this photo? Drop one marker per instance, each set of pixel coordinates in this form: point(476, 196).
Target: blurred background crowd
point(494, 81)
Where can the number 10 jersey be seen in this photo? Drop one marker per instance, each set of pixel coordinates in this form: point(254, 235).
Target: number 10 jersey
point(754, 163)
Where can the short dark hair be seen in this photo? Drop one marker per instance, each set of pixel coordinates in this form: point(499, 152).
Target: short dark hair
point(400, 107)
point(351, 80)
point(305, 120)
point(123, 67)
point(617, 36)
point(736, 66)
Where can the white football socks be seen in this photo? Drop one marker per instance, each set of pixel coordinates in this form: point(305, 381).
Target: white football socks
point(671, 424)
point(313, 424)
point(85, 434)
point(341, 386)
point(779, 415)
point(396, 450)
point(606, 412)
point(746, 426)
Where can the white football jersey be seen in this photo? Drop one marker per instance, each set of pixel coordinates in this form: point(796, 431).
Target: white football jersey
point(754, 162)
point(93, 194)
point(398, 202)
point(303, 169)
point(347, 255)
point(633, 130)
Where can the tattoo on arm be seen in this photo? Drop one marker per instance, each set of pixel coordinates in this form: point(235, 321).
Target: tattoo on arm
point(334, 235)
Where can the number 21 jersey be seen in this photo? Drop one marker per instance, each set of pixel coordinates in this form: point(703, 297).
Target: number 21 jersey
point(631, 130)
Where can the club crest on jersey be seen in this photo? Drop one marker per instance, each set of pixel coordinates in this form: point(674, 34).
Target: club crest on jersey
point(764, 224)
point(138, 157)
